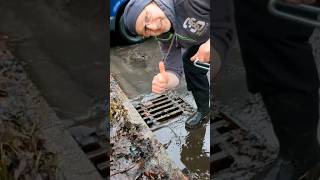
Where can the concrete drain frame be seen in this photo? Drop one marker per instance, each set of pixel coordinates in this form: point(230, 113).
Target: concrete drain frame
point(160, 110)
point(227, 150)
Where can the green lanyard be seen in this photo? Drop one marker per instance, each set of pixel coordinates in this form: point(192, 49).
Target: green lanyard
point(172, 37)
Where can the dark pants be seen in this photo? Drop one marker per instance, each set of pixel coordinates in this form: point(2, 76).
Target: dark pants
point(279, 64)
point(195, 77)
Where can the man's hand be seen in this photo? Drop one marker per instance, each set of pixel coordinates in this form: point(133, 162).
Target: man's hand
point(302, 1)
point(203, 53)
point(161, 80)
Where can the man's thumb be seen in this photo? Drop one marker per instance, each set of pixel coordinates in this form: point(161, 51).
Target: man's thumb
point(162, 68)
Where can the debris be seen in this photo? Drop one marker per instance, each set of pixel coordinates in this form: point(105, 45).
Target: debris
point(134, 155)
point(23, 154)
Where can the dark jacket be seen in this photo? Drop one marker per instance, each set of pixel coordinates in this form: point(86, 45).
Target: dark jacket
point(191, 25)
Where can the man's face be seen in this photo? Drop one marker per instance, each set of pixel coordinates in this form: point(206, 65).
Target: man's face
point(152, 21)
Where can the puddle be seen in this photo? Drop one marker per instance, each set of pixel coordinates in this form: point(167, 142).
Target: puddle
point(190, 150)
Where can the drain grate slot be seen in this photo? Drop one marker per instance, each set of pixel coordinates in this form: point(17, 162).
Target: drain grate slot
point(103, 168)
point(170, 116)
point(98, 156)
point(161, 109)
point(222, 161)
point(227, 128)
point(159, 104)
point(94, 146)
point(216, 149)
point(165, 112)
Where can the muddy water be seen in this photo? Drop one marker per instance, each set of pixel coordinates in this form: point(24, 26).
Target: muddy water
point(134, 67)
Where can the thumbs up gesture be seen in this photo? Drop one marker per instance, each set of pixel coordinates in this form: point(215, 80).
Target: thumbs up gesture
point(161, 80)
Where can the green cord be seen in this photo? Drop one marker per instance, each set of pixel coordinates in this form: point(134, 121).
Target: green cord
point(178, 36)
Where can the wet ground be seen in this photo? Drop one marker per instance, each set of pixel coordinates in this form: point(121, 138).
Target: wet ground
point(248, 109)
point(62, 45)
point(134, 67)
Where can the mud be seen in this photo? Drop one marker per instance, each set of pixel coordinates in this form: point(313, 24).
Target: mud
point(22, 150)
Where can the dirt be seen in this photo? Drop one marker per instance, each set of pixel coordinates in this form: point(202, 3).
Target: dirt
point(23, 154)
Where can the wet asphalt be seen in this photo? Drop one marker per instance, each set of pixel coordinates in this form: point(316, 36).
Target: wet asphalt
point(63, 49)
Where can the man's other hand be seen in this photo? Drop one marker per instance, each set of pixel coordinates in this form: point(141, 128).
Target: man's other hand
point(203, 53)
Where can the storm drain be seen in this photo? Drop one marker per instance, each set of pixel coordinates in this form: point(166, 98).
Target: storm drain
point(223, 130)
point(159, 110)
point(234, 149)
point(94, 146)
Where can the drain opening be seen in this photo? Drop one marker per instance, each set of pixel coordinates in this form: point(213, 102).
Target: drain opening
point(222, 163)
point(216, 149)
point(161, 109)
point(227, 128)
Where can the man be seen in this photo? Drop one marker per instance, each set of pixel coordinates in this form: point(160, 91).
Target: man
point(280, 65)
point(183, 30)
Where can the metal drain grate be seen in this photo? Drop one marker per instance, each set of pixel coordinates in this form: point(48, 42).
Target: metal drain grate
point(233, 148)
point(94, 146)
point(161, 109)
point(223, 130)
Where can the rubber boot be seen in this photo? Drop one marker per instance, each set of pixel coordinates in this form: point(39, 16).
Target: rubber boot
point(294, 116)
point(202, 100)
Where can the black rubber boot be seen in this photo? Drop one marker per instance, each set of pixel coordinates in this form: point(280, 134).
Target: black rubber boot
point(202, 100)
point(294, 115)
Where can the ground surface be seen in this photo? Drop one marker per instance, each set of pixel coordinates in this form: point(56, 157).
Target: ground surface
point(63, 47)
point(135, 65)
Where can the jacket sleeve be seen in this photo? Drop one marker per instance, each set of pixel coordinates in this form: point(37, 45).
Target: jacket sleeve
point(173, 63)
point(222, 26)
